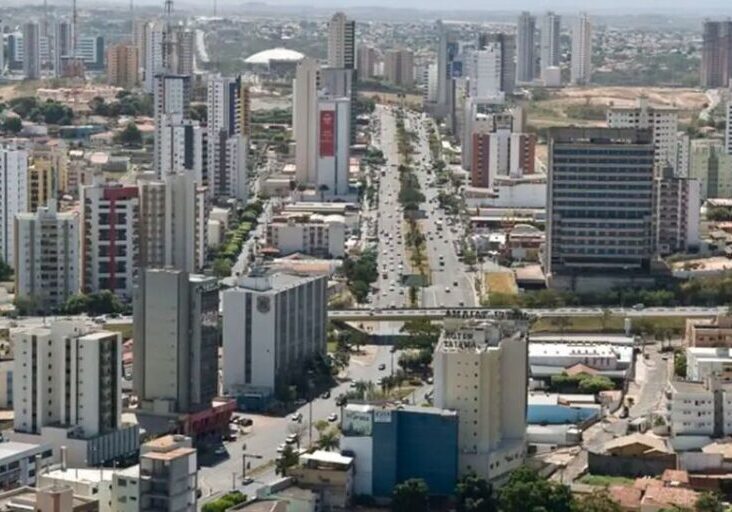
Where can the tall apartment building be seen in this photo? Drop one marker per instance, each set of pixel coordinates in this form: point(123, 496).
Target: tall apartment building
point(716, 64)
point(581, 65)
point(728, 123)
point(273, 324)
point(341, 42)
point(550, 32)
point(662, 121)
point(699, 408)
point(123, 65)
point(183, 145)
point(484, 377)
point(154, 62)
point(32, 50)
point(90, 49)
point(506, 46)
point(168, 475)
point(333, 149)
point(399, 67)
point(599, 201)
point(67, 374)
point(109, 237)
point(173, 223)
point(367, 59)
point(176, 341)
point(183, 51)
point(172, 97)
point(47, 256)
point(526, 48)
point(710, 164)
point(228, 146)
point(676, 204)
point(43, 177)
point(304, 120)
point(484, 70)
point(13, 195)
point(683, 154)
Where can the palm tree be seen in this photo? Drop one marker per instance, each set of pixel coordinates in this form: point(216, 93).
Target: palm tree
point(323, 189)
point(329, 440)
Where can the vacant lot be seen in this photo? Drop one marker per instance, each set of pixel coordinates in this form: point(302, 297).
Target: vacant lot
point(501, 282)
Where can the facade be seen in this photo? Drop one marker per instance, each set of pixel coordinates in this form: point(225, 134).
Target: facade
point(716, 65)
point(677, 205)
point(399, 67)
point(484, 69)
point(168, 475)
point(154, 63)
point(329, 474)
point(505, 45)
point(13, 195)
point(273, 324)
point(708, 332)
point(90, 49)
point(118, 490)
point(699, 408)
point(32, 51)
point(393, 445)
point(123, 66)
point(550, 32)
point(172, 97)
point(581, 67)
point(705, 363)
point(304, 120)
point(663, 123)
point(109, 237)
point(182, 51)
point(183, 145)
point(47, 256)
point(593, 225)
point(473, 365)
point(316, 235)
point(367, 59)
point(526, 48)
point(333, 148)
point(45, 173)
point(711, 166)
point(728, 126)
point(341, 42)
point(176, 341)
point(20, 462)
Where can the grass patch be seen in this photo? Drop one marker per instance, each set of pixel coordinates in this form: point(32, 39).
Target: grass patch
point(612, 324)
point(500, 282)
point(124, 329)
point(606, 481)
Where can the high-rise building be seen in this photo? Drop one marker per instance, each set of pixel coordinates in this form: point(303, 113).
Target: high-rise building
point(333, 150)
point(662, 121)
point(526, 48)
point(366, 61)
point(505, 44)
point(13, 195)
point(581, 69)
point(304, 120)
point(32, 50)
point(63, 38)
point(599, 201)
point(168, 475)
point(483, 69)
point(176, 341)
point(110, 238)
point(444, 69)
point(341, 42)
point(710, 164)
point(43, 177)
point(273, 325)
point(154, 62)
point(676, 204)
point(550, 31)
point(183, 51)
point(716, 64)
point(183, 147)
point(90, 49)
point(139, 40)
point(399, 67)
point(172, 96)
point(683, 154)
point(2, 49)
point(228, 146)
point(483, 375)
point(47, 256)
point(728, 124)
point(123, 66)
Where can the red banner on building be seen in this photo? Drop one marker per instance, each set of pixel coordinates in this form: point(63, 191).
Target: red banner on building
point(327, 133)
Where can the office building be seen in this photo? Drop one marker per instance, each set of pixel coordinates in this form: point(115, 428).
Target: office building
point(317, 235)
point(176, 341)
point(123, 66)
point(393, 445)
point(330, 475)
point(550, 32)
point(228, 146)
point(581, 65)
point(63, 38)
point(13, 195)
point(483, 376)
point(154, 62)
point(47, 256)
point(505, 46)
point(367, 59)
point(699, 408)
point(273, 325)
point(484, 69)
point(677, 205)
point(172, 97)
point(90, 49)
point(110, 237)
point(341, 42)
point(446, 51)
point(662, 121)
point(599, 202)
point(716, 62)
point(168, 475)
point(304, 120)
point(183, 145)
point(711, 166)
point(526, 48)
point(32, 50)
point(333, 149)
point(399, 67)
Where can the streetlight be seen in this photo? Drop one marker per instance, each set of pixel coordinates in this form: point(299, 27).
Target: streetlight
point(244, 456)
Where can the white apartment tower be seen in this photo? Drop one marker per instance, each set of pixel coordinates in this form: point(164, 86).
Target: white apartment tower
point(32, 50)
point(304, 120)
point(172, 97)
point(341, 42)
point(526, 48)
point(728, 123)
point(483, 376)
point(47, 256)
point(13, 195)
point(183, 147)
point(333, 149)
point(550, 31)
point(582, 50)
point(154, 62)
point(484, 72)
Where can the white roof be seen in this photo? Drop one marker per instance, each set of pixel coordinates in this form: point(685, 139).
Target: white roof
point(328, 457)
point(14, 448)
point(281, 54)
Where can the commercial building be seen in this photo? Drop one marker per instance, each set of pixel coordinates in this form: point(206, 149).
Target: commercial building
point(171, 97)
point(716, 63)
point(273, 325)
point(581, 66)
point(550, 32)
point(168, 475)
point(709, 332)
point(399, 67)
point(484, 69)
point(662, 121)
point(123, 65)
point(90, 50)
point(13, 195)
point(47, 256)
point(392, 445)
point(341, 42)
point(327, 473)
point(32, 50)
point(504, 45)
point(316, 235)
point(676, 217)
point(46, 499)
point(333, 145)
point(367, 60)
point(599, 202)
point(699, 408)
point(473, 366)
point(704, 363)
point(109, 237)
point(711, 166)
point(118, 490)
point(526, 48)
point(176, 342)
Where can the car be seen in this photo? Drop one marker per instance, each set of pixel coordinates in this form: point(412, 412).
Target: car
point(247, 480)
point(454, 283)
point(332, 417)
point(382, 367)
point(292, 437)
point(280, 447)
point(447, 289)
point(220, 451)
point(639, 307)
point(296, 417)
point(352, 385)
point(326, 394)
point(290, 441)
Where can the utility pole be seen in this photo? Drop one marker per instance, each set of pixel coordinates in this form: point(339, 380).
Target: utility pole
point(244, 456)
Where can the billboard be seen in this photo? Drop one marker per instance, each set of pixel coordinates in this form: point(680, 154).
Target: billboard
point(327, 133)
point(356, 423)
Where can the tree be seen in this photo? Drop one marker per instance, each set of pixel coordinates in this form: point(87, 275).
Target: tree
point(12, 125)
point(410, 496)
point(130, 136)
point(6, 271)
point(680, 364)
point(329, 440)
point(526, 491)
point(422, 333)
point(222, 267)
point(323, 189)
point(321, 426)
point(474, 494)
point(287, 459)
point(594, 384)
point(709, 502)
point(225, 502)
point(598, 501)
point(103, 303)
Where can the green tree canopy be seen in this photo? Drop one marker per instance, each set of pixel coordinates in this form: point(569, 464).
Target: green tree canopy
point(410, 496)
point(474, 494)
point(526, 491)
point(129, 136)
point(12, 125)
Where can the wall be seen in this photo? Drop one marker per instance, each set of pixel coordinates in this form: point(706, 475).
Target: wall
point(602, 464)
point(559, 414)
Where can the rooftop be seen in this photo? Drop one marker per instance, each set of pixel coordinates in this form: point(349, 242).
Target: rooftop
point(326, 457)
point(13, 448)
point(276, 54)
point(170, 455)
point(653, 443)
